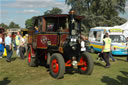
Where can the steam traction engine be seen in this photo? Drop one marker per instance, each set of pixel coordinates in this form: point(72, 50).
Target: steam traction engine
point(59, 44)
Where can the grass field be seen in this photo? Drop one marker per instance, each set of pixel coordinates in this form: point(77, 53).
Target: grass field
point(19, 73)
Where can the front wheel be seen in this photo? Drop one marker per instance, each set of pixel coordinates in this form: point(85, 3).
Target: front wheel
point(31, 60)
point(57, 66)
point(87, 63)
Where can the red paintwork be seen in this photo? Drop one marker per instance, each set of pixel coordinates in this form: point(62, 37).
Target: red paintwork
point(84, 67)
point(42, 40)
point(62, 15)
point(63, 38)
point(68, 63)
point(55, 66)
point(29, 57)
point(46, 55)
point(32, 51)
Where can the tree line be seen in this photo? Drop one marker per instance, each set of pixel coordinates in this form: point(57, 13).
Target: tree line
point(99, 12)
point(11, 25)
point(96, 12)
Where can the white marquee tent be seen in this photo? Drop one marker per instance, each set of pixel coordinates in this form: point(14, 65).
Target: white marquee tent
point(125, 28)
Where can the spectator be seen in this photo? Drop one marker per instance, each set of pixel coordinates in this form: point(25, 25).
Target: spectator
point(14, 42)
point(17, 41)
point(106, 49)
point(100, 56)
point(22, 47)
point(8, 46)
point(36, 29)
point(110, 54)
point(1, 46)
point(26, 41)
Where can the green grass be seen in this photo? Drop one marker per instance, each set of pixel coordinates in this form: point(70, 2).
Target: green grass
point(19, 73)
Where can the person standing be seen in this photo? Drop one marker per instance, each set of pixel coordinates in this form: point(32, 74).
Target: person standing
point(127, 49)
point(106, 49)
point(36, 29)
point(110, 54)
point(17, 41)
point(8, 45)
point(26, 42)
point(1, 46)
point(22, 47)
point(14, 42)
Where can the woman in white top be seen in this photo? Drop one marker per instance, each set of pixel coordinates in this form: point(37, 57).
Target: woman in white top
point(22, 47)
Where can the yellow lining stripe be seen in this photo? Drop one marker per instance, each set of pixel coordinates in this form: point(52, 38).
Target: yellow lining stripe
point(96, 46)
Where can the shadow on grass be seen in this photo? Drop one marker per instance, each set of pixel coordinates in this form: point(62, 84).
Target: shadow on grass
point(124, 73)
point(13, 59)
point(5, 81)
point(110, 81)
point(71, 71)
point(120, 59)
point(98, 64)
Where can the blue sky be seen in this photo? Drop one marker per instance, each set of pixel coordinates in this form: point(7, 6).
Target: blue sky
point(21, 10)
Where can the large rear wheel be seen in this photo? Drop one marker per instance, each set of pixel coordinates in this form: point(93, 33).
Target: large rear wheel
point(57, 66)
point(31, 60)
point(87, 63)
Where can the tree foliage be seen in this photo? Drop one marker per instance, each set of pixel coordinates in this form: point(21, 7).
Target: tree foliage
point(98, 7)
point(28, 23)
point(4, 25)
point(99, 12)
point(53, 11)
point(11, 25)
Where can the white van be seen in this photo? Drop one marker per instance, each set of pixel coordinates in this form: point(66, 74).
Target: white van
point(118, 39)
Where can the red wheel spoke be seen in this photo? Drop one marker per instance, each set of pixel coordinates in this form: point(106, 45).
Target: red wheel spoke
point(55, 66)
point(29, 57)
point(84, 67)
